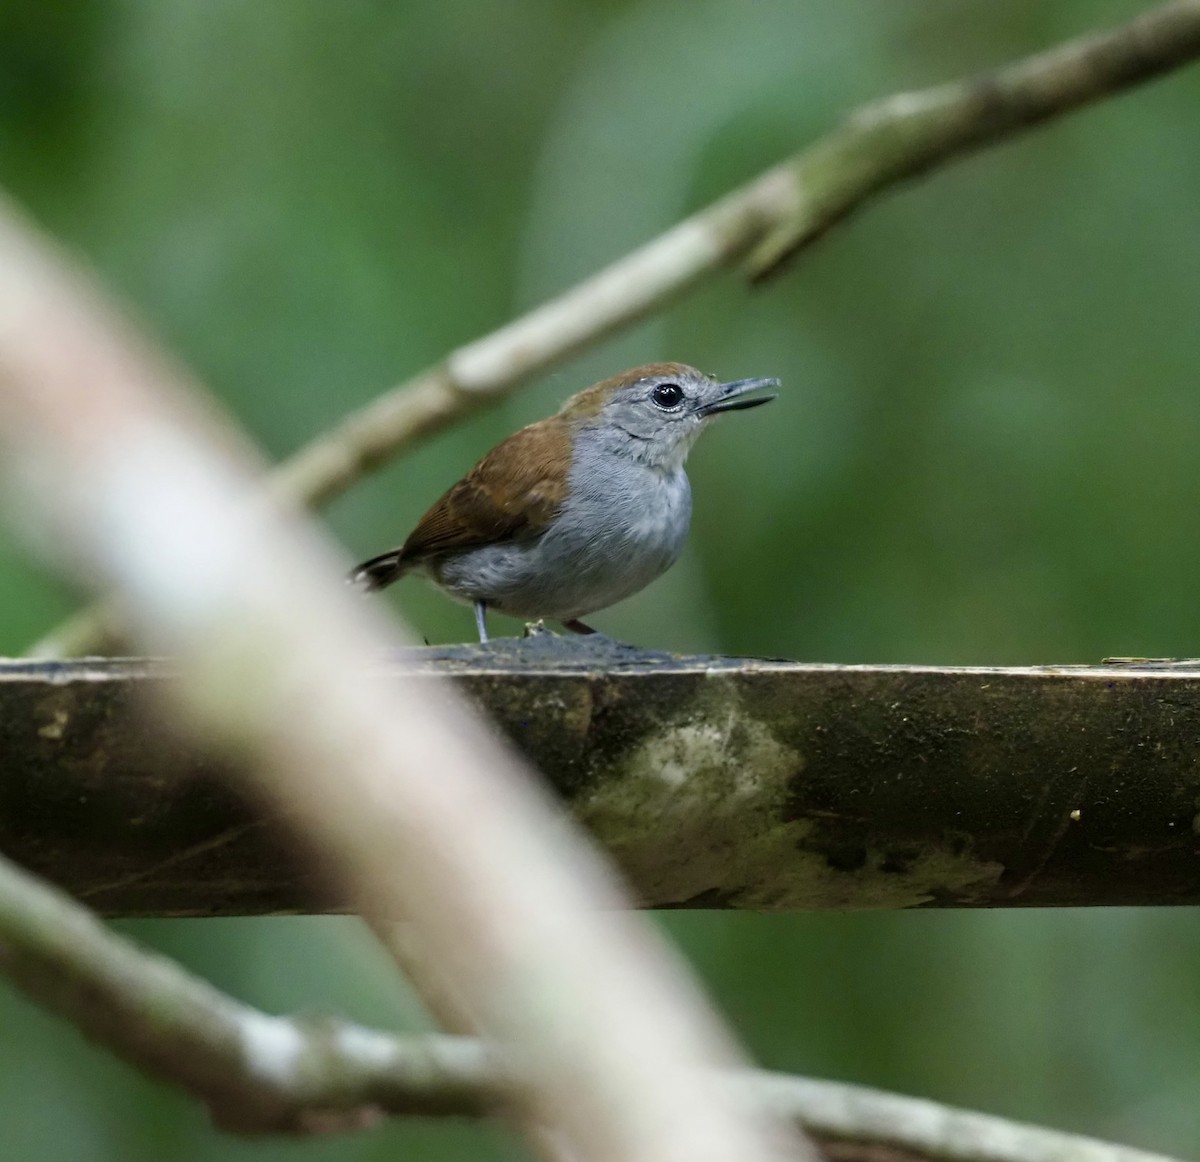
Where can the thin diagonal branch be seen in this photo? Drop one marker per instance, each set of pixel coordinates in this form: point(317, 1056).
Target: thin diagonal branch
point(261, 1074)
point(887, 142)
point(760, 225)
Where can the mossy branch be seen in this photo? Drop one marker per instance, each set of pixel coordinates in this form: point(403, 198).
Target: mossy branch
point(782, 786)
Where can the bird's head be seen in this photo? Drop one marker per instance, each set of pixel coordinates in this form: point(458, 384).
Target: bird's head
point(657, 411)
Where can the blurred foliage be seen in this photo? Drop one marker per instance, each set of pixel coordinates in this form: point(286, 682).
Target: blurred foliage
point(984, 452)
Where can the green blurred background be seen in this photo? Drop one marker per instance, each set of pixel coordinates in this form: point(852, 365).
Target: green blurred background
point(984, 451)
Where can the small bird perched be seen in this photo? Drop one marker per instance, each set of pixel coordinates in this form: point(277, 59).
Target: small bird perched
point(577, 511)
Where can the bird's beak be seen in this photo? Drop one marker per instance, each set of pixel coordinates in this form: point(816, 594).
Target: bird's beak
point(733, 396)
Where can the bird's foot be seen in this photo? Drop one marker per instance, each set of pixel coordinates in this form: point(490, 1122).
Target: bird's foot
point(539, 629)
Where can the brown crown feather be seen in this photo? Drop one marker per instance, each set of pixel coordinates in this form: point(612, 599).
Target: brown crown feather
point(589, 401)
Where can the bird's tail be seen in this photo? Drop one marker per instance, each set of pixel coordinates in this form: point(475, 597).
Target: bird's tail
point(379, 572)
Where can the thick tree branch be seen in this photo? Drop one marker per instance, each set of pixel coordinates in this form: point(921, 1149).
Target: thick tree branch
point(761, 225)
point(713, 782)
point(261, 1074)
point(419, 809)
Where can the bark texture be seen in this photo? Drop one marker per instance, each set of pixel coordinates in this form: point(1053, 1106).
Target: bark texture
point(715, 782)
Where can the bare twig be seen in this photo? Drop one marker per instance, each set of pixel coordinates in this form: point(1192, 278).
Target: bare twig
point(900, 137)
point(260, 1074)
point(761, 225)
point(836, 1113)
point(256, 1073)
point(420, 810)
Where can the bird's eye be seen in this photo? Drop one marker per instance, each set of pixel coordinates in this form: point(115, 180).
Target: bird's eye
point(667, 395)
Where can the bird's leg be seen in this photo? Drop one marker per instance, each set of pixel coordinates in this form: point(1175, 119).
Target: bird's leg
point(481, 620)
point(577, 626)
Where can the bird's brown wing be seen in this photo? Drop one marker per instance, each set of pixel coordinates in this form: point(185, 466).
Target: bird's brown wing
point(514, 491)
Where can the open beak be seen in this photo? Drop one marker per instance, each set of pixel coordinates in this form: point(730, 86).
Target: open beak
point(733, 396)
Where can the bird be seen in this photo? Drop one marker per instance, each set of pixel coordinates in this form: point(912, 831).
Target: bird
point(577, 511)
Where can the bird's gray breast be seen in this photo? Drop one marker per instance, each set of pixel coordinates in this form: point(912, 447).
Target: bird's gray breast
point(624, 524)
